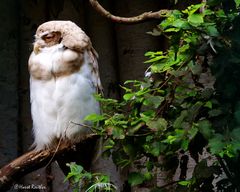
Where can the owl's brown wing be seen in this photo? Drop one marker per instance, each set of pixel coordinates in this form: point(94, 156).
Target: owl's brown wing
point(95, 71)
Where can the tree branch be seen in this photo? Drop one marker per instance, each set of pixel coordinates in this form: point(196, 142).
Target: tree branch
point(129, 20)
point(34, 160)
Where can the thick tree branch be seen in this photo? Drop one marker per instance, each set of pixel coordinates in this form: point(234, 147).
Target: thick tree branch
point(34, 160)
point(129, 20)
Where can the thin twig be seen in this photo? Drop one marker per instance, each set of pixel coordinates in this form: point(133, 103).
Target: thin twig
point(130, 20)
point(82, 124)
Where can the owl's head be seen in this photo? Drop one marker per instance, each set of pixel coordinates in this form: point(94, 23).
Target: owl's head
point(55, 32)
point(47, 39)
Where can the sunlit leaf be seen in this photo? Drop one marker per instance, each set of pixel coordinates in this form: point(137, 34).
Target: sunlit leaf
point(181, 24)
point(128, 96)
point(237, 2)
point(185, 183)
point(193, 8)
point(148, 176)
point(94, 117)
point(184, 144)
point(208, 104)
point(156, 58)
point(172, 29)
point(195, 19)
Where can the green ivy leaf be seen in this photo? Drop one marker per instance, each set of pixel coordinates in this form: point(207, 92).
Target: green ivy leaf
point(135, 178)
point(178, 122)
point(235, 147)
point(237, 2)
point(118, 133)
point(156, 58)
point(128, 96)
point(215, 113)
point(153, 54)
point(185, 144)
point(195, 19)
point(192, 132)
point(235, 134)
point(109, 144)
point(212, 30)
point(193, 8)
point(216, 144)
point(208, 104)
point(75, 173)
point(148, 176)
point(172, 29)
point(205, 128)
point(158, 125)
point(170, 139)
point(147, 115)
point(155, 148)
point(129, 150)
point(94, 118)
point(181, 24)
point(195, 68)
point(208, 12)
point(154, 101)
point(185, 183)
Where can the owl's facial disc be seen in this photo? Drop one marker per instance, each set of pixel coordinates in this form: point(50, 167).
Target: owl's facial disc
point(46, 39)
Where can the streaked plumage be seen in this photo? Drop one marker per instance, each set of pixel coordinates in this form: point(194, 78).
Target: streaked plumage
point(63, 80)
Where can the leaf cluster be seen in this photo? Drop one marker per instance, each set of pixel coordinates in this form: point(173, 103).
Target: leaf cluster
point(188, 101)
point(81, 180)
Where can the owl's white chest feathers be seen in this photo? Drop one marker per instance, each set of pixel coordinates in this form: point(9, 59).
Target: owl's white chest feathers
point(62, 94)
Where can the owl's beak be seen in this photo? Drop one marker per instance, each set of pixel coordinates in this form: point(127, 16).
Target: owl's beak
point(36, 48)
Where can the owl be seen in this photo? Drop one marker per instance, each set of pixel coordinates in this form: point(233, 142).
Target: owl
point(64, 78)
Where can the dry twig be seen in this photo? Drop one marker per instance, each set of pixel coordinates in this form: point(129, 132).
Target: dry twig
point(129, 20)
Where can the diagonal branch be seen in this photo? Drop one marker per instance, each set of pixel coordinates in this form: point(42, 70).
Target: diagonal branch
point(34, 160)
point(130, 20)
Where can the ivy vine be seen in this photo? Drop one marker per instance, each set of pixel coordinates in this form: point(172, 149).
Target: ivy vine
point(188, 102)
